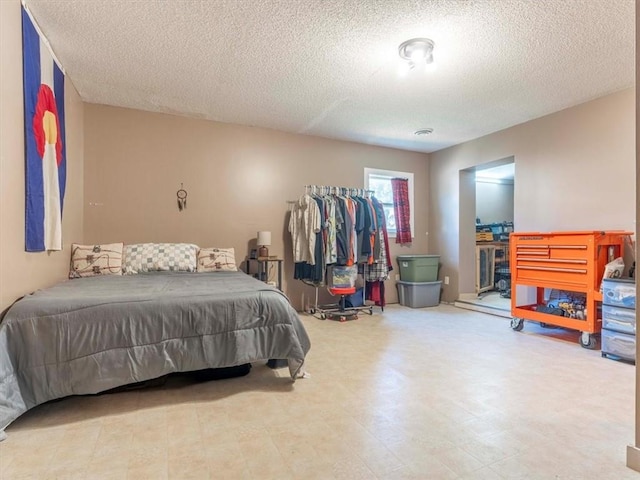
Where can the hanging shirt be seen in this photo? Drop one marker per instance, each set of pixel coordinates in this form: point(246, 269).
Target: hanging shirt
point(332, 247)
point(375, 237)
point(352, 247)
point(304, 224)
point(319, 264)
point(342, 231)
point(379, 270)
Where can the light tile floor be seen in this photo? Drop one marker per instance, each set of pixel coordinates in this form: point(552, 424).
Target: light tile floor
point(433, 393)
point(486, 302)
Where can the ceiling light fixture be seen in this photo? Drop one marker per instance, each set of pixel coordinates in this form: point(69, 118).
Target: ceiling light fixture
point(417, 51)
point(424, 131)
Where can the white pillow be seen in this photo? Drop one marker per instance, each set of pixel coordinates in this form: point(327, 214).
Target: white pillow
point(217, 260)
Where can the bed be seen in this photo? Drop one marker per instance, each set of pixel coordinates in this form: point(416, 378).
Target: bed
point(92, 334)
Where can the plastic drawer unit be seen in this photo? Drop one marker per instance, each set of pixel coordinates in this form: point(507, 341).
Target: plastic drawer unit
point(619, 292)
point(619, 345)
point(618, 319)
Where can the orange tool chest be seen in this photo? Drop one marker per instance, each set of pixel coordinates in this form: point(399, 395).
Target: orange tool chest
point(567, 261)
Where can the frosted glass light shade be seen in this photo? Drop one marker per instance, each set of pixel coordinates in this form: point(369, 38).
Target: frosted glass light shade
point(264, 238)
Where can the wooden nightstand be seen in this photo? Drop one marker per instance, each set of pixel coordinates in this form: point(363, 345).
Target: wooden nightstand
point(263, 269)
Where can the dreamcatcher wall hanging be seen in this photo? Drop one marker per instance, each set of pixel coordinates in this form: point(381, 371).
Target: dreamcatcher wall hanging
point(182, 198)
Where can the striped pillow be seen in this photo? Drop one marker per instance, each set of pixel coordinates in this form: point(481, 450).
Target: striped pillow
point(217, 260)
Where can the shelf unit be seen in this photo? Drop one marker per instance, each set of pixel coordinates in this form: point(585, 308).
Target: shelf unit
point(569, 261)
point(263, 269)
point(501, 271)
point(485, 267)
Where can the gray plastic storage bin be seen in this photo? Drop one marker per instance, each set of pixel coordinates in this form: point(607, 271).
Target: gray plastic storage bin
point(419, 294)
point(619, 292)
point(418, 268)
point(619, 344)
point(619, 319)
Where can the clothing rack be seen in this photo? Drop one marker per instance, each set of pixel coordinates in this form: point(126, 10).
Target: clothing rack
point(329, 190)
point(339, 310)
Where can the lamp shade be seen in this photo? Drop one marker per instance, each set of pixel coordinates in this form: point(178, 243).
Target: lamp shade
point(264, 238)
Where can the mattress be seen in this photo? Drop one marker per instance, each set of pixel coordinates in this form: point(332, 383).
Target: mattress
point(92, 334)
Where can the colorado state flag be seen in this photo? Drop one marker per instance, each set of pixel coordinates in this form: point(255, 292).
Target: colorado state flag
point(44, 142)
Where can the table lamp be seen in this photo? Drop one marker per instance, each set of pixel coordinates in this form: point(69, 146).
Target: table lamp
point(264, 240)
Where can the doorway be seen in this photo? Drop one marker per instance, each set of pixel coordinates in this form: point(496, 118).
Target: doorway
point(487, 191)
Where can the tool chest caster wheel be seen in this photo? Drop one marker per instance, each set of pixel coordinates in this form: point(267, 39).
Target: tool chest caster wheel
point(587, 340)
point(517, 324)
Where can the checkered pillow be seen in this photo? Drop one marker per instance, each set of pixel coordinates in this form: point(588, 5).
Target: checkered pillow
point(179, 257)
point(150, 257)
point(92, 260)
point(217, 260)
point(138, 258)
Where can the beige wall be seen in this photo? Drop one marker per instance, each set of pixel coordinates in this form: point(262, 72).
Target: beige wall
point(23, 272)
point(633, 452)
point(238, 180)
point(573, 171)
point(494, 202)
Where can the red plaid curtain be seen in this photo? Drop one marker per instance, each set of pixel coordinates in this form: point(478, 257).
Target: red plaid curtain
point(400, 187)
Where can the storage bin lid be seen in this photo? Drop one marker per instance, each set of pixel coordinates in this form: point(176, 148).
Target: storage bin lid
point(410, 257)
point(419, 283)
point(620, 280)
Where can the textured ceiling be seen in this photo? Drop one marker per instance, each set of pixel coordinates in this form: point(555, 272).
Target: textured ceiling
point(331, 67)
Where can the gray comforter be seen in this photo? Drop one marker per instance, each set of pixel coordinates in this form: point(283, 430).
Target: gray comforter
point(89, 335)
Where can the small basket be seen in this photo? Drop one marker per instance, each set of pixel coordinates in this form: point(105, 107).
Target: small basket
point(343, 277)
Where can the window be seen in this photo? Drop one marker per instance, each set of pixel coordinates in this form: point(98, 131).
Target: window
point(380, 182)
